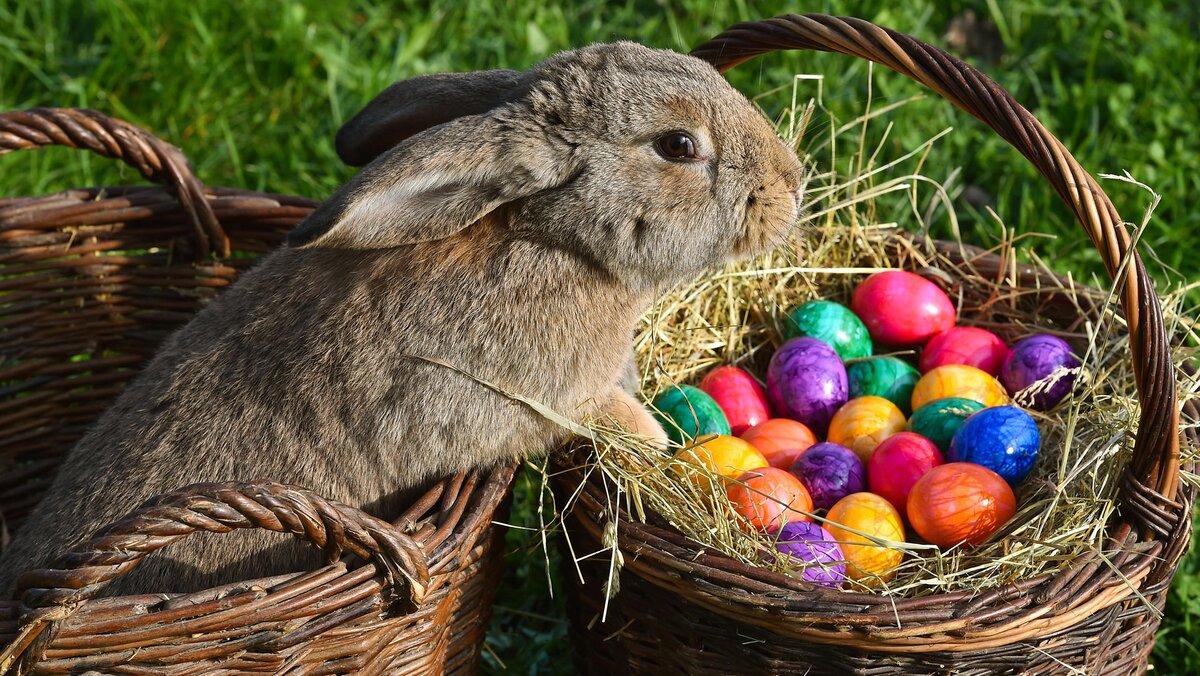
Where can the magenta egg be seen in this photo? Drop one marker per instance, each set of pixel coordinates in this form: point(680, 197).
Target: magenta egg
point(812, 547)
point(965, 345)
point(1040, 371)
point(902, 309)
point(806, 381)
point(830, 472)
point(898, 463)
point(739, 395)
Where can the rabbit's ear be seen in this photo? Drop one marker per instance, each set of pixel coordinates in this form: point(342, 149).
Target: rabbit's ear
point(440, 181)
point(416, 104)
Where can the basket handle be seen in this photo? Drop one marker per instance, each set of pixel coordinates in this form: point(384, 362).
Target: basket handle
point(49, 595)
point(154, 158)
point(1155, 464)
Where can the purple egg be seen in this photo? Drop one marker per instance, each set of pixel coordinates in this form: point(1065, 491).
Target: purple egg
point(813, 547)
point(806, 381)
point(830, 472)
point(1039, 371)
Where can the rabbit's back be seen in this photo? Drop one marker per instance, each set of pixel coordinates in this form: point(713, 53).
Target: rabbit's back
point(327, 369)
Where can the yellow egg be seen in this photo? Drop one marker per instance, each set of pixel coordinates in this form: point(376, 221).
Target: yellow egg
point(958, 380)
point(722, 454)
point(867, 562)
point(862, 424)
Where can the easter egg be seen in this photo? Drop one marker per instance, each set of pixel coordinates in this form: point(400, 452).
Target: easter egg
point(686, 412)
point(867, 561)
point(1040, 371)
point(902, 309)
point(863, 423)
point(811, 546)
point(806, 381)
point(960, 502)
point(964, 345)
point(739, 395)
point(1004, 439)
point(832, 323)
point(769, 497)
point(780, 440)
point(898, 463)
point(938, 420)
point(723, 455)
point(887, 377)
point(959, 381)
point(830, 472)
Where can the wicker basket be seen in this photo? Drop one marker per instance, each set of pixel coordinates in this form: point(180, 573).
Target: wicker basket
point(684, 609)
point(108, 273)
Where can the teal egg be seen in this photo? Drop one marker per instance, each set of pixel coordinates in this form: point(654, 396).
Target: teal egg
point(887, 377)
point(686, 413)
point(831, 323)
point(938, 421)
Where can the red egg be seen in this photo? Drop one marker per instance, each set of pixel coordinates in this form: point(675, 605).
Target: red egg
point(964, 345)
point(739, 395)
point(960, 502)
point(902, 309)
point(898, 463)
point(769, 498)
point(780, 440)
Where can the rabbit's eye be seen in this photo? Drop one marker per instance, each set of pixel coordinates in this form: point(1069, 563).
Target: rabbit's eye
point(677, 145)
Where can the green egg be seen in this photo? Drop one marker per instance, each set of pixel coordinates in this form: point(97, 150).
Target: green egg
point(938, 420)
point(887, 377)
point(832, 323)
point(686, 413)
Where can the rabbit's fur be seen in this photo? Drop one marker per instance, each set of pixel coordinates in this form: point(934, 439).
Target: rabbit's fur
point(518, 241)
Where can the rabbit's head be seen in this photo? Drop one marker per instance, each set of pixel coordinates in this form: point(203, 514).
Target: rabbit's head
point(646, 164)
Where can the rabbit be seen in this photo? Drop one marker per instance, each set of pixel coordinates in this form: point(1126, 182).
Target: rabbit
point(507, 227)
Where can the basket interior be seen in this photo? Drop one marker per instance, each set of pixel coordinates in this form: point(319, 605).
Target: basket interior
point(734, 318)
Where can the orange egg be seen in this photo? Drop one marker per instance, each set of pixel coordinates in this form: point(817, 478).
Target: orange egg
point(862, 423)
point(724, 455)
point(770, 497)
point(960, 502)
point(869, 562)
point(780, 440)
point(958, 380)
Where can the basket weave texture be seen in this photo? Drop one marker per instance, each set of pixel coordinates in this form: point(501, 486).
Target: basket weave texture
point(682, 608)
point(91, 281)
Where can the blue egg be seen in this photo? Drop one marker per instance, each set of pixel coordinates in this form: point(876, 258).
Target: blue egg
point(1004, 439)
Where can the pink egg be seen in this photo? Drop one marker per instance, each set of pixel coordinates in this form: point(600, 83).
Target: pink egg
point(739, 395)
point(965, 345)
point(898, 463)
point(902, 309)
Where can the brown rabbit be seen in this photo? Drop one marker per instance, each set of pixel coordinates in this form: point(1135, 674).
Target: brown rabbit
point(513, 225)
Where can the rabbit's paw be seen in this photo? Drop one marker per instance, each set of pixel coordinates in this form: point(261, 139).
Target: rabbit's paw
point(633, 417)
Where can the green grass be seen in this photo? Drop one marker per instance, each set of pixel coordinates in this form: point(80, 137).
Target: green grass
point(254, 91)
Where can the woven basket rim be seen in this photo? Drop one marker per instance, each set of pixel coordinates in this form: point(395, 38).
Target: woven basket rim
point(1147, 537)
